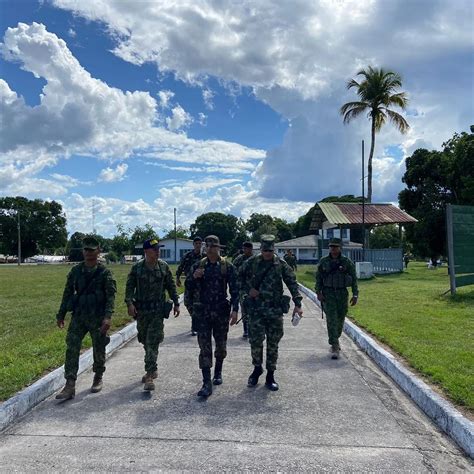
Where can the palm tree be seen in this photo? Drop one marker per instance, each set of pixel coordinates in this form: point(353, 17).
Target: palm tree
point(377, 92)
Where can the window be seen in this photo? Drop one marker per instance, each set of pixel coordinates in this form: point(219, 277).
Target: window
point(182, 252)
point(165, 253)
point(330, 233)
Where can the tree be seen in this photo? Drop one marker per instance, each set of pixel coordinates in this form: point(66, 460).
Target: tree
point(42, 225)
point(216, 223)
point(121, 241)
point(139, 235)
point(385, 237)
point(181, 233)
point(434, 179)
point(74, 247)
point(377, 92)
point(259, 224)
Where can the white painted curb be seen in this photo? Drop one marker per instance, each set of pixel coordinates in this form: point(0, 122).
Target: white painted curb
point(442, 412)
point(25, 400)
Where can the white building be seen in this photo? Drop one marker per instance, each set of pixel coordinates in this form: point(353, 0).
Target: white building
point(167, 252)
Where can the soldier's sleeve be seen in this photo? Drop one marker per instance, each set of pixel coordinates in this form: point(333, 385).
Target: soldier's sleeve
point(233, 287)
point(319, 279)
point(68, 293)
point(130, 286)
point(110, 291)
point(352, 272)
point(289, 278)
point(190, 282)
point(170, 286)
point(242, 279)
point(180, 268)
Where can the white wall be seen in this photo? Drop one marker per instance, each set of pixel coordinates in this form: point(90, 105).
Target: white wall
point(167, 252)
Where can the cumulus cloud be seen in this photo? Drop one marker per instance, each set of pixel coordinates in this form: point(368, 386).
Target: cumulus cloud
point(207, 96)
point(111, 175)
point(165, 97)
point(179, 119)
point(297, 56)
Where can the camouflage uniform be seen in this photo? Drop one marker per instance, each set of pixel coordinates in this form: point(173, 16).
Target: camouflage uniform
point(238, 262)
point(188, 260)
point(291, 261)
point(90, 295)
point(333, 276)
point(146, 290)
point(265, 311)
point(211, 309)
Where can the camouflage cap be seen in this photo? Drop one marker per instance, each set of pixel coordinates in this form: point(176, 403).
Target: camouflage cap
point(197, 239)
point(267, 242)
point(152, 244)
point(335, 242)
point(213, 241)
point(247, 245)
point(90, 243)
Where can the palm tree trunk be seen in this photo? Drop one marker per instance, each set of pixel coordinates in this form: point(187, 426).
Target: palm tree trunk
point(369, 164)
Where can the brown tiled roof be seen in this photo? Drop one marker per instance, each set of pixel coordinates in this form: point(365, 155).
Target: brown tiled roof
point(348, 214)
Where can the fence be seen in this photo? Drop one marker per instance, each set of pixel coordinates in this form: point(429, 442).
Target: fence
point(383, 260)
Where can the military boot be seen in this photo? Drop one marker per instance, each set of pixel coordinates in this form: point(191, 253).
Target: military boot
point(253, 379)
point(335, 351)
point(69, 390)
point(97, 384)
point(245, 335)
point(270, 381)
point(218, 372)
point(206, 388)
point(154, 375)
point(149, 384)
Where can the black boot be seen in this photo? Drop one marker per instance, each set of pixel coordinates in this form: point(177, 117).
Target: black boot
point(206, 388)
point(245, 335)
point(218, 372)
point(253, 379)
point(270, 381)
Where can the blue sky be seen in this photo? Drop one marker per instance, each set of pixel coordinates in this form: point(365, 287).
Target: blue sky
point(138, 107)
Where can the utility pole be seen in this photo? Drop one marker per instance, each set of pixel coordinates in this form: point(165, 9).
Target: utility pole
point(363, 204)
point(19, 237)
point(175, 242)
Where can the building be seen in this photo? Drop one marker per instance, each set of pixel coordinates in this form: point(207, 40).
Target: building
point(167, 252)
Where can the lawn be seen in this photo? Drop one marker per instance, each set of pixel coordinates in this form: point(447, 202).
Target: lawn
point(433, 332)
point(31, 344)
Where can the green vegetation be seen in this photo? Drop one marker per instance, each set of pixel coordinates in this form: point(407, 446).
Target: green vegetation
point(31, 343)
point(433, 332)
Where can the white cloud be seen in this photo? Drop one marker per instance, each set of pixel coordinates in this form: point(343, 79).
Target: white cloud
point(111, 175)
point(202, 119)
point(179, 119)
point(207, 96)
point(165, 97)
point(71, 33)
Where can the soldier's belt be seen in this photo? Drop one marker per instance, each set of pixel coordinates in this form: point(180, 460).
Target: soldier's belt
point(148, 305)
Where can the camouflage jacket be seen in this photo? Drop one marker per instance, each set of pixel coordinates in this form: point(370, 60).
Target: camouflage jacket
point(147, 286)
point(336, 273)
point(211, 289)
point(290, 260)
point(88, 294)
point(240, 260)
point(188, 260)
point(271, 287)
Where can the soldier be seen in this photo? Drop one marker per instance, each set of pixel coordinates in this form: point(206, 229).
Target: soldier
point(206, 285)
point(146, 301)
point(247, 252)
point(290, 259)
point(188, 260)
point(90, 295)
point(260, 280)
point(334, 274)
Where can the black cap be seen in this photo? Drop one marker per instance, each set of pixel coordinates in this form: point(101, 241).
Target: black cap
point(152, 244)
point(197, 239)
point(247, 245)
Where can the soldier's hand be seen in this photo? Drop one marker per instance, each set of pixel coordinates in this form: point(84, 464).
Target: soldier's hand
point(176, 310)
point(60, 323)
point(198, 273)
point(132, 311)
point(233, 318)
point(253, 293)
point(298, 310)
point(178, 282)
point(354, 300)
point(105, 326)
point(320, 296)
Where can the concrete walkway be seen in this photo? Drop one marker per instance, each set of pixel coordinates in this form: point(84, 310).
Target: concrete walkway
point(343, 415)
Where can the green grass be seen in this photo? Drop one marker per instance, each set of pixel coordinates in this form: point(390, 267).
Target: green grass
point(433, 332)
point(30, 342)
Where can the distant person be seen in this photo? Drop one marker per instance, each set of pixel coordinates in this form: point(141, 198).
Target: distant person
point(290, 259)
point(247, 252)
point(188, 260)
point(334, 274)
point(406, 260)
point(90, 295)
point(145, 296)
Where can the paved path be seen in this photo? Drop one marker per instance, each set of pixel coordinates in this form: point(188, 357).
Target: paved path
point(342, 415)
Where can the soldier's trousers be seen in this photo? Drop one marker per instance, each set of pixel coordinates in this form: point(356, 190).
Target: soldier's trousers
point(213, 324)
point(263, 324)
point(335, 306)
point(77, 330)
point(150, 329)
